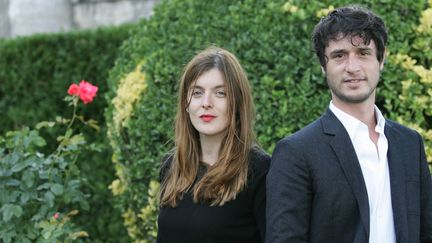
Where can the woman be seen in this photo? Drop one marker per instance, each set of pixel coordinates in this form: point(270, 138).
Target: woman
point(213, 183)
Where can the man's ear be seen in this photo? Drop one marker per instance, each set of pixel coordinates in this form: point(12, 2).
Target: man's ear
point(383, 60)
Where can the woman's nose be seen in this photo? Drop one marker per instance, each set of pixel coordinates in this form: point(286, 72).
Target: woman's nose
point(207, 101)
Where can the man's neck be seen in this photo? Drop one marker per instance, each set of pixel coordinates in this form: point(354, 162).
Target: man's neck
point(365, 112)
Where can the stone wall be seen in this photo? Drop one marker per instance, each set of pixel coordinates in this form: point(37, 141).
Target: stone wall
point(4, 20)
point(26, 17)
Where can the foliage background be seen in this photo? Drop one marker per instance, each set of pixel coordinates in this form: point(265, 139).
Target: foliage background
point(272, 41)
point(35, 73)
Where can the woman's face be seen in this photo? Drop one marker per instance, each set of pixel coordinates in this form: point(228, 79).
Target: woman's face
point(208, 107)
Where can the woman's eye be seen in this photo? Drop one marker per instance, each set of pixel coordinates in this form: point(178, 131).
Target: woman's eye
point(197, 93)
point(220, 93)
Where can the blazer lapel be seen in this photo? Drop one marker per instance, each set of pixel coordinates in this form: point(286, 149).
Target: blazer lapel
point(397, 183)
point(344, 150)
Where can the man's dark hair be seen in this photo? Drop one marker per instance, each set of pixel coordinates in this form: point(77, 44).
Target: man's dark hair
point(350, 21)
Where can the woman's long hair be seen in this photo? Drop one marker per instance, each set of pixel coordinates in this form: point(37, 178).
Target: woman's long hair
point(228, 176)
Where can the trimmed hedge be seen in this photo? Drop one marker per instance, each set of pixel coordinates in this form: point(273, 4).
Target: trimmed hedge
point(271, 40)
point(35, 73)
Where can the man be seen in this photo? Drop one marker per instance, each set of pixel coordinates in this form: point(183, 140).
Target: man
point(350, 176)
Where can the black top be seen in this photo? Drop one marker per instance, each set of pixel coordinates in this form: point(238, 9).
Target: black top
point(237, 221)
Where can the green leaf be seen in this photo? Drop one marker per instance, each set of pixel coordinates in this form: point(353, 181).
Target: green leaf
point(19, 166)
point(57, 189)
point(49, 198)
point(93, 124)
point(74, 184)
point(10, 210)
point(12, 182)
point(34, 138)
point(12, 158)
point(61, 120)
point(7, 213)
point(5, 173)
point(44, 224)
point(3, 196)
point(84, 204)
point(17, 211)
point(25, 196)
point(23, 239)
point(44, 186)
point(28, 178)
point(45, 124)
point(7, 237)
point(47, 230)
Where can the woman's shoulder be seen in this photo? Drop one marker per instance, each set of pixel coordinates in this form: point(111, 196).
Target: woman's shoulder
point(165, 165)
point(259, 160)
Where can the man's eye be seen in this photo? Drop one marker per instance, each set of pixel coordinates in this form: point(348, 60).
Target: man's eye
point(338, 56)
point(365, 53)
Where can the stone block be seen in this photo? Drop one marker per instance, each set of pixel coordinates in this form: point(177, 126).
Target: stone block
point(97, 13)
point(39, 16)
point(4, 19)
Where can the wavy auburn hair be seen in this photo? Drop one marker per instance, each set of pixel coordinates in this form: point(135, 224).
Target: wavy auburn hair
point(228, 176)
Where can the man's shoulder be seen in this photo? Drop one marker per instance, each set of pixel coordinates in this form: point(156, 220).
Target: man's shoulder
point(399, 129)
point(305, 134)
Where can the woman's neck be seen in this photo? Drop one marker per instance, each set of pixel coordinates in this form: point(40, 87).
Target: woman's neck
point(210, 146)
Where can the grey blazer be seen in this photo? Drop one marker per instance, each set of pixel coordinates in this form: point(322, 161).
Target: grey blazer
point(316, 191)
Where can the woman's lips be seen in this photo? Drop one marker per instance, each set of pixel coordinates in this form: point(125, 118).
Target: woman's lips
point(207, 118)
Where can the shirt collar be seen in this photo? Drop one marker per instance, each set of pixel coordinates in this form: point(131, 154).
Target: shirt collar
point(380, 121)
point(351, 123)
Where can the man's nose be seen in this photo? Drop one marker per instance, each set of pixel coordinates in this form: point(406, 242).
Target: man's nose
point(352, 63)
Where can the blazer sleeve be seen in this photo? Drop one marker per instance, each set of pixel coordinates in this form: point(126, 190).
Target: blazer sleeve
point(289, 196)
point(426, 198)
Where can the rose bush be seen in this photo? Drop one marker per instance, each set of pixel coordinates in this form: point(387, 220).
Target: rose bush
point(40, 193)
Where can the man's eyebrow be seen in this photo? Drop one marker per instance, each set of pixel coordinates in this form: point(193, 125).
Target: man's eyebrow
point(364, 48)
point(361, 48)
point(337, 51)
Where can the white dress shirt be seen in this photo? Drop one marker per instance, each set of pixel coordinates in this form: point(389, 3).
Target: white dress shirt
point(374, 165)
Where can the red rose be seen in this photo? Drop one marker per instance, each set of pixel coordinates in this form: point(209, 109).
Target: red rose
point(85, 90)
point(73, 89)
point(56, 215)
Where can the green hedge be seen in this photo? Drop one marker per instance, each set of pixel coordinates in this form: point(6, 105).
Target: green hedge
point(35, 73)
point(271, 40)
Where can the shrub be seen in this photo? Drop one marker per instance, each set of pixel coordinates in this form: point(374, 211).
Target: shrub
point(413, 103)
point(34, 74)
point(271, 40)
point(38, 190)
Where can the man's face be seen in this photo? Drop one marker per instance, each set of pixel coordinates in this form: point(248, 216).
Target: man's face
point(352, 70)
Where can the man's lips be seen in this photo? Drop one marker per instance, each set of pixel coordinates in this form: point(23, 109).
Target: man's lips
point(354, 80)
point(207, 118)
